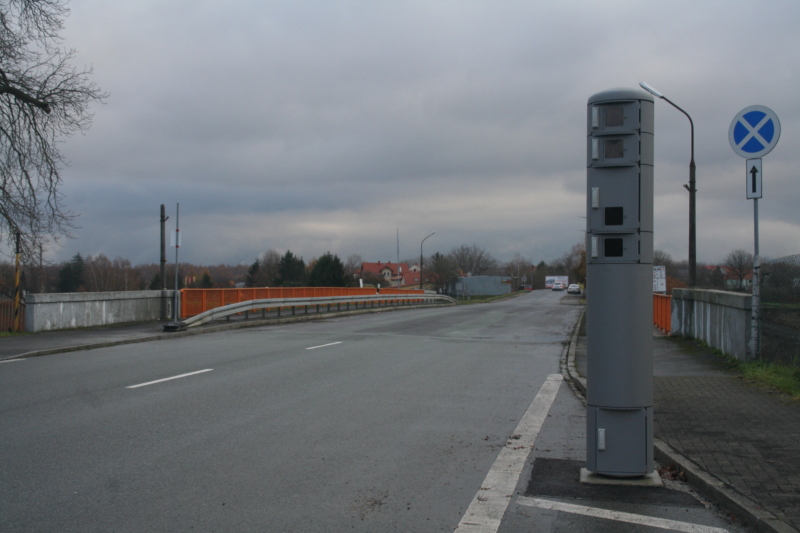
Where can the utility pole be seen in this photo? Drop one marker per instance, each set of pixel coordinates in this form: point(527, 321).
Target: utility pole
point(177, 245)
point(176, 324)
point(41, 268)
point(164, 219)
point(17, 285)
point(420, 258)
point(163, 270)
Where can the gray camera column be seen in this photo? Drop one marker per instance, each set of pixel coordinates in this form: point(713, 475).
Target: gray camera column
point(619, 283)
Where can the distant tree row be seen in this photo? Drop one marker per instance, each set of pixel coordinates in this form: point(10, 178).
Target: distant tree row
point(100, 274)
point(271, 269)
point(440, 269)
point(274, 270)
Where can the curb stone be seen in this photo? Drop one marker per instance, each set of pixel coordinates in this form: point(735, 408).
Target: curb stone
point(759, 519)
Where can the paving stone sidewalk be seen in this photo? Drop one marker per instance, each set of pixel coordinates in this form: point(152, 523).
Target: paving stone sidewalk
point(744, 435)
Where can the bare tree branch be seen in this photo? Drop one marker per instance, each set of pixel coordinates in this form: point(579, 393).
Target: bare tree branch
point(43, 99)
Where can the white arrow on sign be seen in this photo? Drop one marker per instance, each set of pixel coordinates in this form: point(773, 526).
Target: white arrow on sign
point(754, 178)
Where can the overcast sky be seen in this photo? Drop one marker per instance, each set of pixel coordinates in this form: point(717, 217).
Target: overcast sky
point(329, 125)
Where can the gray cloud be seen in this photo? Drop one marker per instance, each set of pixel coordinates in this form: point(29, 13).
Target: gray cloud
point(317, 126)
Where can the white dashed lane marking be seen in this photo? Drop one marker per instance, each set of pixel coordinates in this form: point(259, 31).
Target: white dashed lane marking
point(168, 379)
point(323, 345)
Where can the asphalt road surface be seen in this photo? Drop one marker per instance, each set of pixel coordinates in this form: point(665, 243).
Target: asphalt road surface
point(391, 421)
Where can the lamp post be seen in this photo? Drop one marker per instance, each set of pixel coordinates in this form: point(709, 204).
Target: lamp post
point(691, 188)
point(420, 259)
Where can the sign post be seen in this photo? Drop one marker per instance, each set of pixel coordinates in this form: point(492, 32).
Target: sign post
point(753, 133)
point(175, 240)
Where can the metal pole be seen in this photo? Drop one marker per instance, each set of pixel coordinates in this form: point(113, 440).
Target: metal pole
point(692, 219)
point(17, 285)
point(420, 259)
point(163, 249)
point(692, 205)
point(691, 188)
point(177, 245)
point(41, 268)
point(755, 316)
point(163, 270)
point(420, 263)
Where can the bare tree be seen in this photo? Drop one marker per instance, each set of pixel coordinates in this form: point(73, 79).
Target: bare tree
point(440, 270)
point(572, 263)
point(352, 266)
point(473, 261)
point(264, 272)
point(101, 274)
point(662, 258)
point(43, 98)
point(519, 268)
point(739, 263)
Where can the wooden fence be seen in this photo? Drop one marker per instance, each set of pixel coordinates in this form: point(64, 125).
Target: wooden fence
point(7, 310)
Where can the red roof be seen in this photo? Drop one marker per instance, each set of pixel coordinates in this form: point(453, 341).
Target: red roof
point(378, 268)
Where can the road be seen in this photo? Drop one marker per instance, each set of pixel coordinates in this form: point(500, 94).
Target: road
point(379, 422)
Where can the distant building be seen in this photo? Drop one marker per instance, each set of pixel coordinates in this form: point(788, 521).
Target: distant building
point(395, 274)
point(729, 278)
point(480, 286)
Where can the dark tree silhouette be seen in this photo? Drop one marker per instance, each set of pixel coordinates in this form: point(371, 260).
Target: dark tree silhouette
point(43, 98)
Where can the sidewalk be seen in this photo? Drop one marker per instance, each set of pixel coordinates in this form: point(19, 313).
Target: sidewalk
point(738, 443)
point(46, 342)
point(67, 340)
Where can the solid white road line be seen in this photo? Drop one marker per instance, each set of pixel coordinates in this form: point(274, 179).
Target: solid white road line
point(323, 345)
point(11, 360)
point(619, 516)
point(168, 379)
point(486, 511)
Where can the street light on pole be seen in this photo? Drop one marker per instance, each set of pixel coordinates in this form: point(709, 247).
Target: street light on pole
point(420, 259)
point(691, 188)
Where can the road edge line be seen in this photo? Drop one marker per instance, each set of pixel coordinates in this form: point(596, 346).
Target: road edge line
point(485, 512)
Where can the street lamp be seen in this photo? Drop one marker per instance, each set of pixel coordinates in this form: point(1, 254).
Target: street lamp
point(691, 188)
point(420, 259)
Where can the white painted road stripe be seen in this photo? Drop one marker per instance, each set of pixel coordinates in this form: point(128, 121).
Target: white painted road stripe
point(619, 516)
point(11, 360)
point(168, 379)
point(486, 511)
point(323, 345)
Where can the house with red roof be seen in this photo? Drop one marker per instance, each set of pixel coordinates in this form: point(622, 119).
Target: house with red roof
point(395, 274)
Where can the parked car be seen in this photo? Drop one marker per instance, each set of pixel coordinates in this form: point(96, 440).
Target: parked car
point(558, 286)
point(574, 289)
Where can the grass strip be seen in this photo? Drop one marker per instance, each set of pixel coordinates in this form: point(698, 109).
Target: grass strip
point(781, 377)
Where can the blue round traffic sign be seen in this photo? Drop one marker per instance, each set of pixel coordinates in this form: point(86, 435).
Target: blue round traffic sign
point(754, 132)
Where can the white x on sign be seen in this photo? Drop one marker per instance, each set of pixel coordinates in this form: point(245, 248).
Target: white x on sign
point(754, 132)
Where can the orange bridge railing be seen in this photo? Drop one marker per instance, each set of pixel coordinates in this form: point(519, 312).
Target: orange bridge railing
point(662, 312)
point(196, 301)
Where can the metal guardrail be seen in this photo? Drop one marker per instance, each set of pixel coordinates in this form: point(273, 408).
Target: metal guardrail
point(196, 301)
point(294, 303)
